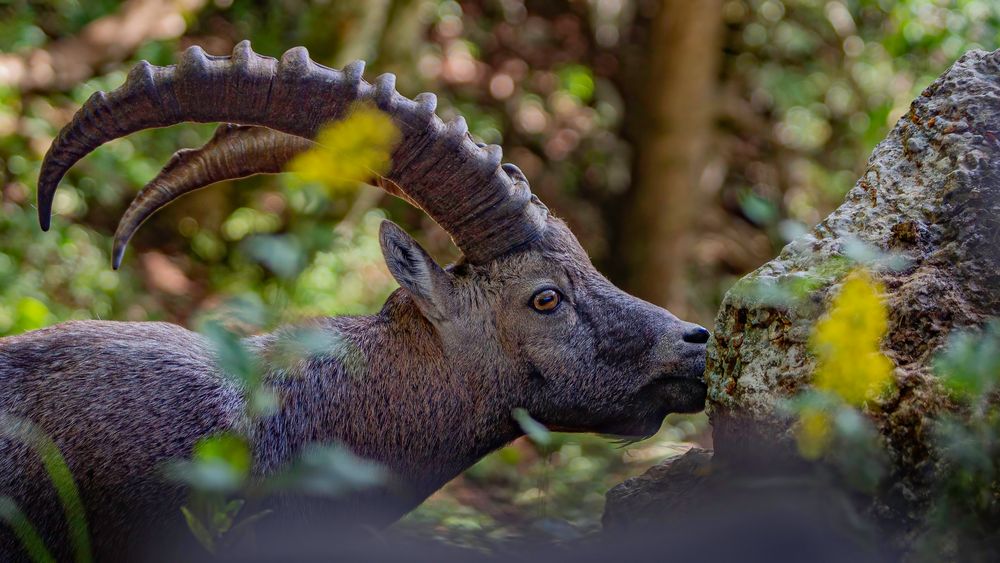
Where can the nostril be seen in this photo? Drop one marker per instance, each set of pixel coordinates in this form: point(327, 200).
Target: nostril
point(696, 335)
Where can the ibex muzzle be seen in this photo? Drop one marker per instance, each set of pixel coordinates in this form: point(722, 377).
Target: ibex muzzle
point(523, 320)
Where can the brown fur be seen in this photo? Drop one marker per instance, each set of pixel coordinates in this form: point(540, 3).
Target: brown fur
point(425, 387)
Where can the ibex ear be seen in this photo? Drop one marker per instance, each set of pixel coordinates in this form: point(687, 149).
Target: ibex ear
point(416, 271)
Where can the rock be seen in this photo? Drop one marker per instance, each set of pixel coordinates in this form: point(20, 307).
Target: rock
point(670, 486)
point(930, 196)
point(692, 506)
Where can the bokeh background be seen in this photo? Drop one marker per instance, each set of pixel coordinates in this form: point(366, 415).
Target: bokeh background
point(683, 140)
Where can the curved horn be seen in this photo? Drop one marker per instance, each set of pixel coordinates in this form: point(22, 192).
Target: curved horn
point(235, 151)
point(459, 184)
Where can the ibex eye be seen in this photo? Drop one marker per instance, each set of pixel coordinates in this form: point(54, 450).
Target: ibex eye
point(546, 301)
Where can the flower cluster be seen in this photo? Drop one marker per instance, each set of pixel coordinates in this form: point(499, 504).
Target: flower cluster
point(850, 367)
point(355, 149)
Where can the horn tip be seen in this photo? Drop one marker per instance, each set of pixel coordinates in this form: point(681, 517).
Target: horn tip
point(117, 254)
point(44, 211)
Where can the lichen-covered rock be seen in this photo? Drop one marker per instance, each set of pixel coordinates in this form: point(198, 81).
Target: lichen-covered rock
point(930, 198)
point(930, 195)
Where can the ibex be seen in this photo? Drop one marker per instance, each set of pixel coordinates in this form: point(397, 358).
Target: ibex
point(522, 320)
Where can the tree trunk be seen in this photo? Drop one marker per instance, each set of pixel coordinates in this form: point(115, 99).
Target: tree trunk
point(672, 133)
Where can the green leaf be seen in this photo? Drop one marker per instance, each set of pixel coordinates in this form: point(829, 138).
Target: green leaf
point(223, 517)
point(62, 479)
point(203, 536)
point(206, 476)
point(220, 464)
point(18, 522)
point(759, 210)
point(330, 471)
point(233, 358)
point(228, 448)
point(970, 365)
point(244, 525)
point(69, 497)
point(234, 507)
point(536, 432)
point(30, 314)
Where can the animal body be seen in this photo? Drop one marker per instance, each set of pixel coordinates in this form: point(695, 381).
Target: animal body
point(426, 387)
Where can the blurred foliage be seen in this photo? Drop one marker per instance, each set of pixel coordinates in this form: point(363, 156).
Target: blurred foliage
point(534, 430)
point(544, 491)
point(349, 151)
point(25, 531)
point(218, 475)
point(965, 517)
point(852, 375)
point(23, 431)
point(807, 88)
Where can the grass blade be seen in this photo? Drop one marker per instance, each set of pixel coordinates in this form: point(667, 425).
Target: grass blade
point(32, 542)
point(61, 477)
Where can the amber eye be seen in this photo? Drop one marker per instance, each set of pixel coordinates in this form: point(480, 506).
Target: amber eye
point(546, 301)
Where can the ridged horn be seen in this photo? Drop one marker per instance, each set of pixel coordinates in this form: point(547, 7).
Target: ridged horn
point(460, 185)
point(235, 151)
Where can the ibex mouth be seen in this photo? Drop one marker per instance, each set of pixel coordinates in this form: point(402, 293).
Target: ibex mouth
point(665, 394)
point(682, 394)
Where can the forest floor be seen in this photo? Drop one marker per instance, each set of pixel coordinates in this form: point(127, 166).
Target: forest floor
point(525, 495)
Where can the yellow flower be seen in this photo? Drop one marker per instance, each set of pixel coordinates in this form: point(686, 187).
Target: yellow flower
point(814, 432)
point(846, 343)
point(849, 363)
point(349, 151)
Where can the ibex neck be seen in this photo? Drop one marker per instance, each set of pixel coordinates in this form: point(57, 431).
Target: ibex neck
point(391, 394)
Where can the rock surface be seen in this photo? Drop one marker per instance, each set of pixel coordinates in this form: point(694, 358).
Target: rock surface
point(931, 196)
point(672, 485)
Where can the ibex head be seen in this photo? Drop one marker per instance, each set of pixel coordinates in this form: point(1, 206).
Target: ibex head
point(523, 310)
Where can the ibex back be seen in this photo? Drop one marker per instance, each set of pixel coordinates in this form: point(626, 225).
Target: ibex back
point(425, 387)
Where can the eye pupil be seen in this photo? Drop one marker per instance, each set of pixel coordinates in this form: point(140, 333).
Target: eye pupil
point(546, 300)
